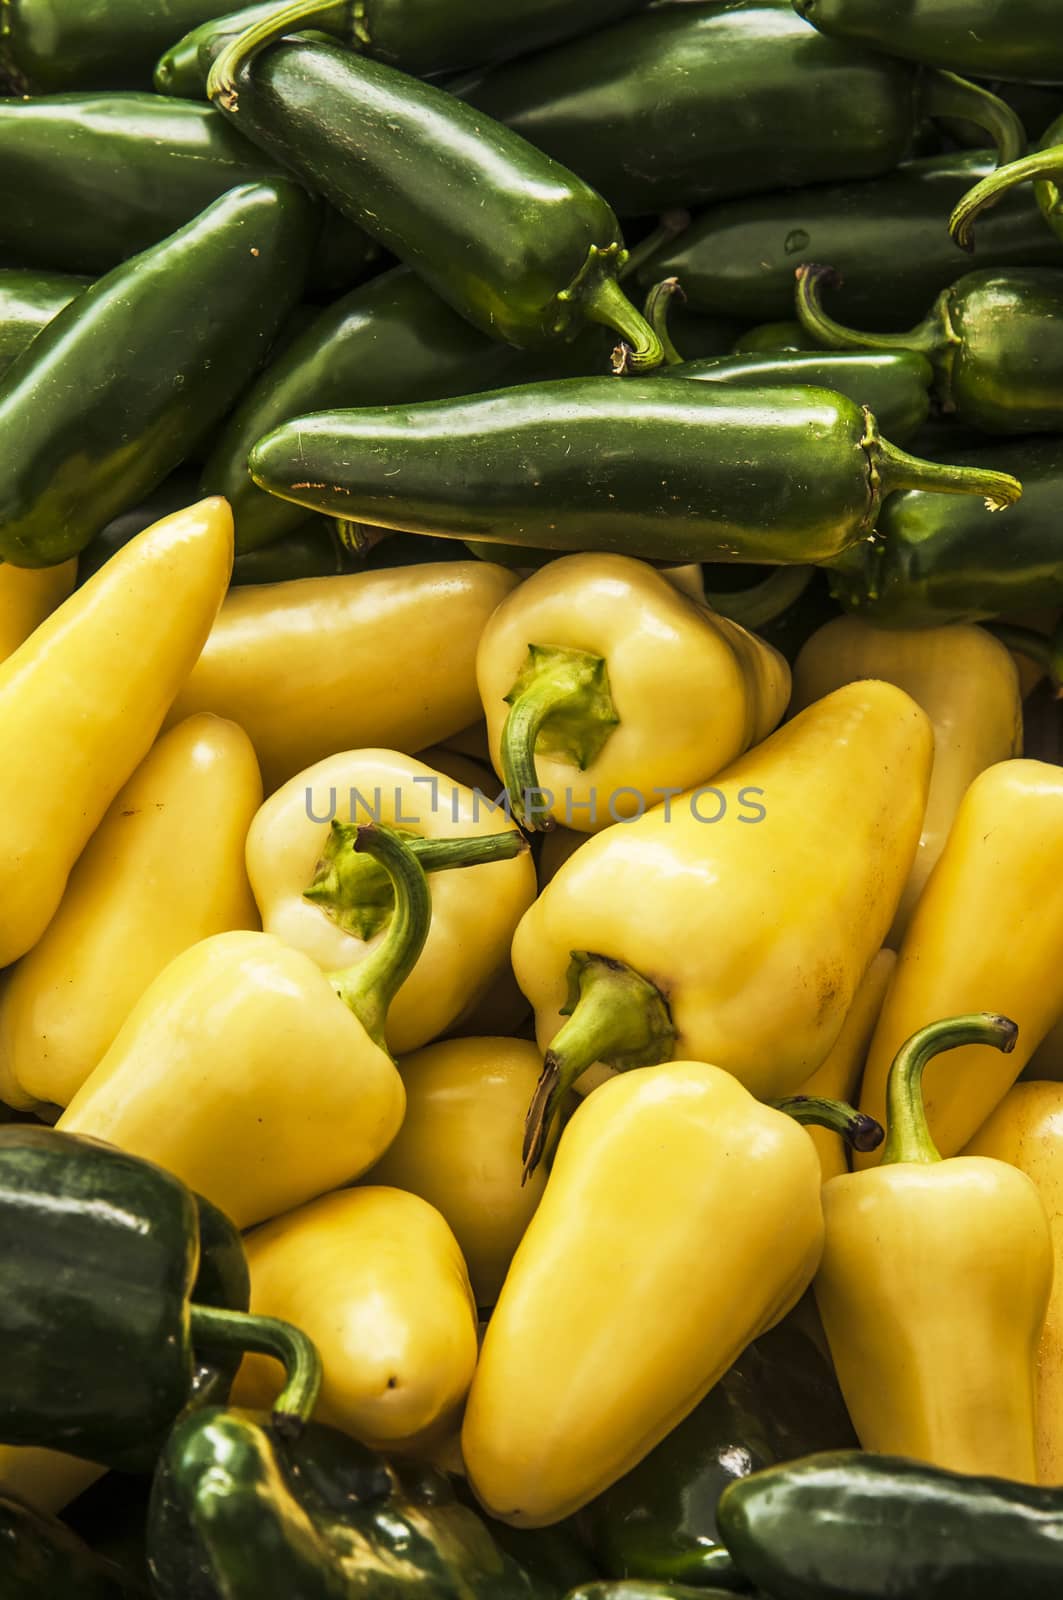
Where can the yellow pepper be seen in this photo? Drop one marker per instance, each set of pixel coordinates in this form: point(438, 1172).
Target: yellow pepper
point(934, 1284)
point(164, 870)
point(1026, 1131)
point(318, 665)
point(839, 1076)
point(967, 683)
point(83, 698)
point(376, 1278)
point(459, 1147)
point(27, 596)
point(312, 888)
point(605, 688)
point(47, 1480)
point(736, 941)
point(988, 931)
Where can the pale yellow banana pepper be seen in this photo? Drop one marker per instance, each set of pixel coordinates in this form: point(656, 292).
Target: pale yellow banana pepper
point(459, 1147)
point(965, 681)
point(27, 596)
point(318, 665)
point(325, 914)
point(376, 1278)
point(605, 688)
point(987, 932)
point(83, 698)
point(164, 870)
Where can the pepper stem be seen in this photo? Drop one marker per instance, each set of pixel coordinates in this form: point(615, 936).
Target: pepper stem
point(908, 1135)
point(241, 51)
point(639, 349)
point(560, 704)
point(859, 1131)
point(370, 986)
point(1045, 650)
point(669, 227)
point(762, 602)
point(213, 1328)
point(356, 892)
point(615, 1016)
point(1042, 164)
point(945, 94)
point(895, 469)
point(655, 311)
point(929, 338)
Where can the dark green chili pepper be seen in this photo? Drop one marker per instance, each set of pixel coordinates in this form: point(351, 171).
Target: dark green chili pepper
point(28, 302)
point(650, 1589)
point(515, 243)
point(996, 40)
point(1044, 168)
point(994, 340)
point(41, 1557)
point(885, 237)
point(945, 561)
point(777, 336)
point(657, 468)
point(47, 45)
point(688, 104)
point(162, 345)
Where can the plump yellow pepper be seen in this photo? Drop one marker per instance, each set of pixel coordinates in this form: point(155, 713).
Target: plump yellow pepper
point(988, 931)
point(164, 869)
point(737, 941)
point(312, 890)
point(83, 698)
point(324, 664)
point(376, 1278)
point(459, 1147)
point(934, 1284)
point(47, 1480)
point(605, 687)
point(681, 1219)
point(27, 596)
point(967, 683)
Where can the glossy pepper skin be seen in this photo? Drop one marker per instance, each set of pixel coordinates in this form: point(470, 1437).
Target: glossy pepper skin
point(27, 596)
point(779, 1400)
point(238, 1513)
point(960, 949)
point(883, 236)
point(991, 40)
point(967, 683)
point(684, 105)
point(655, 468)
point(160, 369)
point(82, 700)
point(311, 667)
point(50, 45)
point(164, 869)
point(41, 1556)
point(828, 1527)
point(517, 244)
point(28, 302)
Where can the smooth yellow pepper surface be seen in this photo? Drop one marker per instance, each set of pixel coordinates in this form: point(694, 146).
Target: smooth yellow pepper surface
point(27, 596)
point(681, 1219)
point(934, 1285)
point(47, 1480)
point(474, 911)
point(83, 698)
point(459, 1147)
point(317, 665)
point(1026, 1131)
point(987, 932)
point(967, 683)
point(164, 869)
point(376, 1278)
point(607, 687)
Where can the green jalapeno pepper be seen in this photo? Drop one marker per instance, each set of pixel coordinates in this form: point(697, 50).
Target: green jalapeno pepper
point(48, 45)
point(28, 302)
point(850, 1525)
point(994, 339)
point(990, 38)
point(650, 1589)
point(778, 336)
point(163, 344)
point(689, 104)
point(40, 1556)
point(519, 246)
point(658, 468)
point(1044, 169)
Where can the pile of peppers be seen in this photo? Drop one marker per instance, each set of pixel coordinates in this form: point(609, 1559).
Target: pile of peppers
point(613, 446)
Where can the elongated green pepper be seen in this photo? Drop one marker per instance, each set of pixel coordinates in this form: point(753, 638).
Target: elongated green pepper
point(162, 345)
point(689, 104)
point(1044, 169)
point(991, 38)
point(48, 45)
point(521, 247)
point(658, 468)
point(28, 302)
point(885, 237)
point(40, 1556)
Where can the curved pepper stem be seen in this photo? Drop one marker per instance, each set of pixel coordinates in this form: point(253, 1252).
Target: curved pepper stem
point(859, 1131)
point(561, 705)
point(908, 1135)
point(212, 1328)
point(655, 310)
point(332, 18)
point(601, 299)
point(945, 94)
point(893, 469)
point(1045, 650)
point(931, 338)
point(615, 1016)
point(764, 601)
point(1041, 165)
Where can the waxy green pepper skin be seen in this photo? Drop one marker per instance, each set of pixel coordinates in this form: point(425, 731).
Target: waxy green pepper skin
point(28, 302)
point(162, 344)
point(658, 468)
point(50, 45)
point(40, 1557)
point(1017, 40)
point(690, 104)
